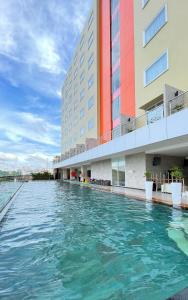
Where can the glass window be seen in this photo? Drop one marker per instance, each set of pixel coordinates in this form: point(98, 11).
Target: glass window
point(116, 52)
point(156, 69)
point(82, 130)
point(159, 21)
point(90, 41)
point(118, 171)
point(90, 20)
point(90, 124)
point(90, 81)
point(90, 102)
point(116, 80)
point(82, 60)
point(90, 61)
point(115, 26)
point(82, 94)
point(75, 73)
point(81, 113)
point(116, 108)
point(82, 77)
point(82, 42)
point(114, 4)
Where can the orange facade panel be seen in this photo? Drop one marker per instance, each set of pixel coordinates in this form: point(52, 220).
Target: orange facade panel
point(127, 69)
point(105, 71)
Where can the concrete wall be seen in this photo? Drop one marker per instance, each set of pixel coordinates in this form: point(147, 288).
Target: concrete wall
point(102, 170)
point(135, 166)
point(167, 162)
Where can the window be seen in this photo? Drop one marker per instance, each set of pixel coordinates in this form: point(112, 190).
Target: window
point(82, 130)
point(82, 77)
point(144, 2)
point(90, 41)
point(82, 94)
point(116, 52)
point(115, 26)
point(116, 80)
point(82, 42)
point(90, 61)
point(82, 60)
point(90, 20)
point(90, 81)
point(81, 113)
point(154, 27)
point(75, 90)
point(156, 69)
point(114, 4)
point(116, 108)
point(90, 124)
point(90, 102)
point(75, 73)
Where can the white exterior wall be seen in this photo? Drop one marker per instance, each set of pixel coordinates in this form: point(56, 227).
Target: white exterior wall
point(135, 167)
point(102, 170)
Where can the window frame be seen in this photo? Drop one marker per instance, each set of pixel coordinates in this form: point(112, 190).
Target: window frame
point(166, 21)
point(146, 69)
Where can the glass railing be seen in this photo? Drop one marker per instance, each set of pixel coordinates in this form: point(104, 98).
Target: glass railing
point(173, 105)
point(7, 191)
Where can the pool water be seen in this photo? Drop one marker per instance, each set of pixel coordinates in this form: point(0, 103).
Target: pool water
point(7, 189)
point(62, 241)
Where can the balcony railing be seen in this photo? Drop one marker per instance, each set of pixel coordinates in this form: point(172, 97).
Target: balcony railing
point(173, 105)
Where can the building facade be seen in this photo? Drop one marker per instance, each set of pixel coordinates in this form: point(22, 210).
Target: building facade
point(124, 106)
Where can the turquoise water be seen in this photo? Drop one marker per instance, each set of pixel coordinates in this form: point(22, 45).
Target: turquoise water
point(7, 189)
point(60, 241)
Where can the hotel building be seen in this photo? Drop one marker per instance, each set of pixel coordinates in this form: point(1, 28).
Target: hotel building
point(124, 100)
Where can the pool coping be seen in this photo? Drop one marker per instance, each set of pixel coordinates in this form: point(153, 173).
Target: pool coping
point(109, 189)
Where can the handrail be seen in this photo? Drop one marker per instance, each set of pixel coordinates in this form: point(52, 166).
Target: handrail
point(134, 124)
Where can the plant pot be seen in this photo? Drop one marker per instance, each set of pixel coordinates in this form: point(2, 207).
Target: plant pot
point(176, 189)
point(149, 189)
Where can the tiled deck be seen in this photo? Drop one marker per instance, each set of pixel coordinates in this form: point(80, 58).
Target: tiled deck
point(158, 197)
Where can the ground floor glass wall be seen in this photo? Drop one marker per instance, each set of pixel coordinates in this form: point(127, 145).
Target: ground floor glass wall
point(118, 171)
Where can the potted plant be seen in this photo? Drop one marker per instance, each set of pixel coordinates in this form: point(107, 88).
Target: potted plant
point(176, 185)
point(148, 185)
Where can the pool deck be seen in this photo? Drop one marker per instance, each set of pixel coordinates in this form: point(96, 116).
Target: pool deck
point(158, 197)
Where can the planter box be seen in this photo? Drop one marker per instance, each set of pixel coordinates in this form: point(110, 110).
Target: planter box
point(176, 188)
point(149, 189)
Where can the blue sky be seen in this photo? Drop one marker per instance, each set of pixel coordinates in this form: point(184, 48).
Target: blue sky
point(37, 41)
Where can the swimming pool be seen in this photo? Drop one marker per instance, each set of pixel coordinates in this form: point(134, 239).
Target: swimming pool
point(61, 241)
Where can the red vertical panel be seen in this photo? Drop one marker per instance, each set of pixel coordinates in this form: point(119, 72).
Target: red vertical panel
point(105, 70)
point(127, 68)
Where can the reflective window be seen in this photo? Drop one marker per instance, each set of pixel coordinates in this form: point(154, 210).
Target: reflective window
point(114, 4)
point(82, 94)
point(81, 113)
point(156, 69)
point(82, 42)
point(90, 61)
point(82, 60)
point(82, 77)
point(90, 41)
point(90, 102)
point(116, 52)
point(75, 73)
point(118, 171)
point(90, 124)
point(115, 26)
point(116, 80)
point(90, 81)
point(90, 21)
point(116, 108)
point(159, 21)
point(82, 130)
